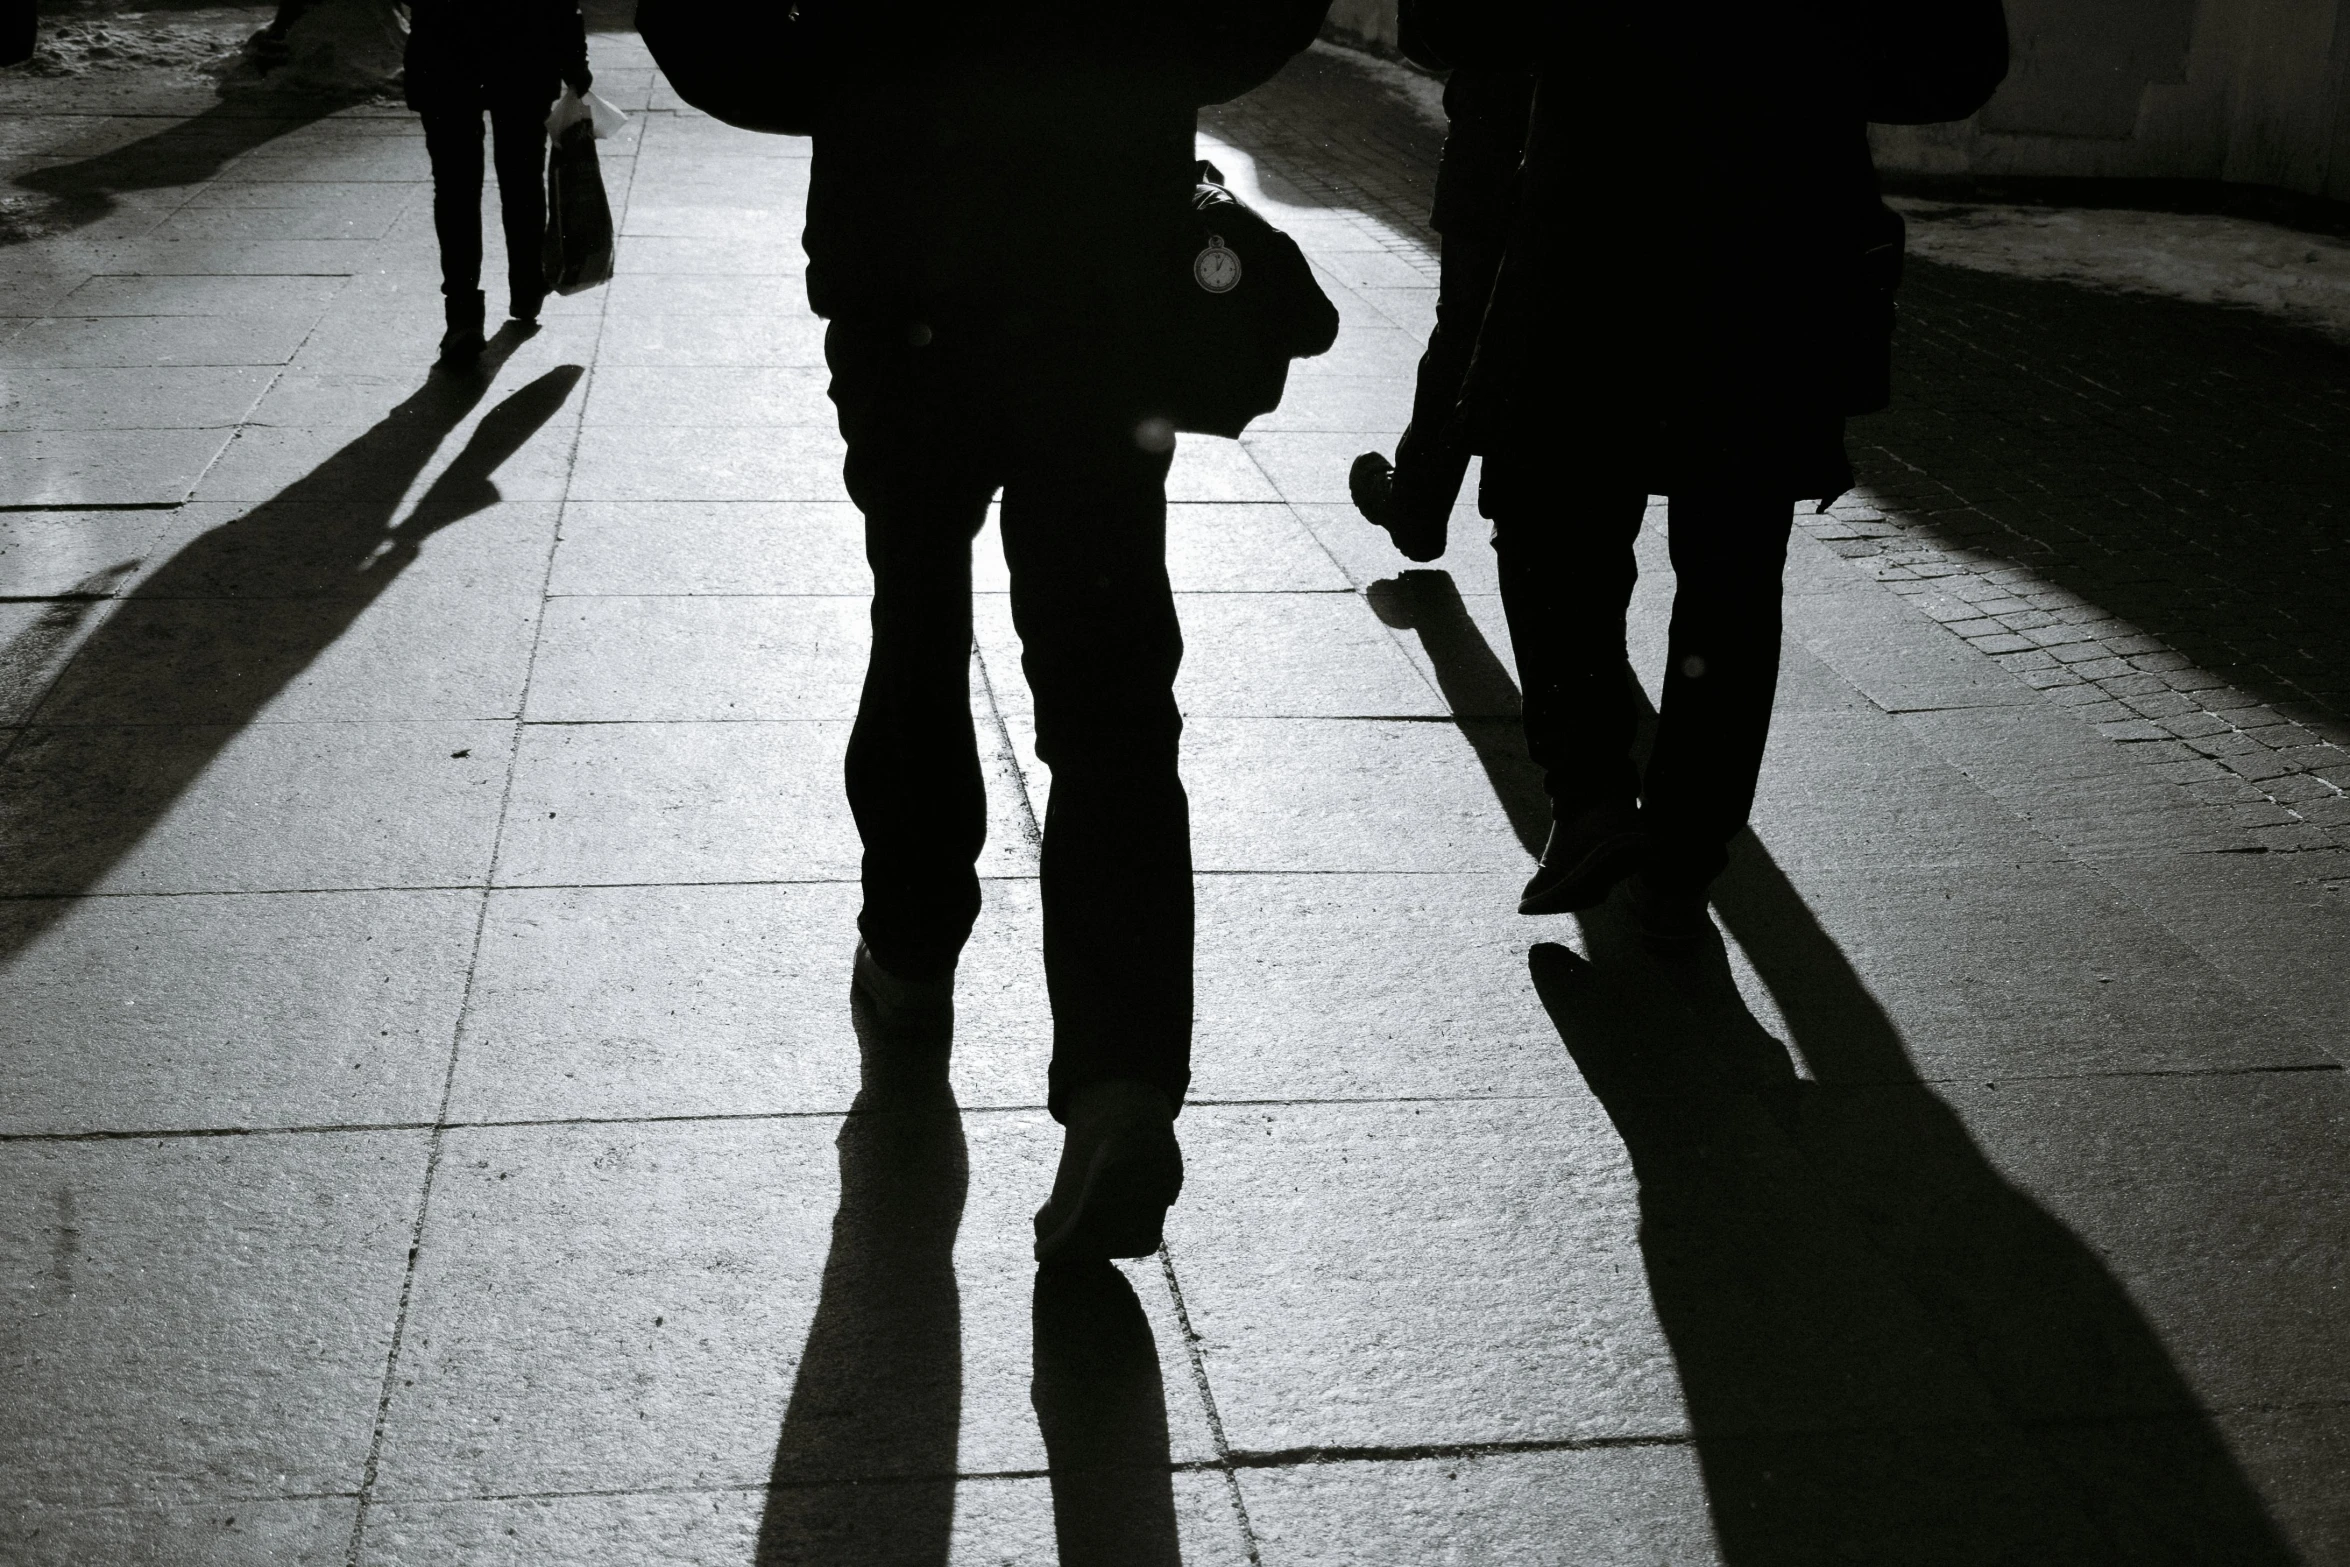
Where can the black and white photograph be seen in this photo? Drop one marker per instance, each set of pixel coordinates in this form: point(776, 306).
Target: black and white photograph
point(1174, 783)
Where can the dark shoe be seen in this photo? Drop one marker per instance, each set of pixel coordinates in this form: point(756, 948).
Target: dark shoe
point(1668, 915)
point(524, 307)
point(462, 343)
point(1588, 853)
point(1121, 1169)
point(1371, 481)
point(905, 1028)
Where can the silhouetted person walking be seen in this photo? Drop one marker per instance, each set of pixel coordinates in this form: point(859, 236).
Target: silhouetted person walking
point(1697, 292)
point(508, 59)
point(996, 218)
point(1487, 98)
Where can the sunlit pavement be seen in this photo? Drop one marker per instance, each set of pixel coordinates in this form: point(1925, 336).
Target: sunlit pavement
point(428, 903)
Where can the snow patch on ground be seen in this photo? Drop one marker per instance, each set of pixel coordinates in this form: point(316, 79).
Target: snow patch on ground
point(2280, 272)
point(203, 43)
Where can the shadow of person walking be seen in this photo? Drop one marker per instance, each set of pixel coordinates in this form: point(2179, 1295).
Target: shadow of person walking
point(1103, 1411)
point(1888, 1352)
point(864, 1467)
point(200, 646)
point(186, 152)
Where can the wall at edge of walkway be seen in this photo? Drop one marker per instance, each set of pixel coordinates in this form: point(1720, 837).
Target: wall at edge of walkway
point(2256, 91)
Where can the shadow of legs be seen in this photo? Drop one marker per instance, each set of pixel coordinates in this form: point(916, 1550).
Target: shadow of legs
point(865, 1465)
point(216, 633)
point(1103, 1412)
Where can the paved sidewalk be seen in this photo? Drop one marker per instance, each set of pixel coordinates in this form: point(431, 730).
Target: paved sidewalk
point(426, 909)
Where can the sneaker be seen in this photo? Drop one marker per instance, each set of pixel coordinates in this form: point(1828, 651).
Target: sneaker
point(1667, 915)
point(1121, 1169)
point(1588, 853)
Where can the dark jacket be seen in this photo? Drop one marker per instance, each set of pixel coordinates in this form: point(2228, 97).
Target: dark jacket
point(470, 55)
point(1000, 161)
point(1699, 288)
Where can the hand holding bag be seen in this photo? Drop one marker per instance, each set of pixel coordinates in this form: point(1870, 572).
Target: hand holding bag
point(577, 252)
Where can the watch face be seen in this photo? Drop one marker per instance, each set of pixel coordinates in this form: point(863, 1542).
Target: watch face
point(1216, 269)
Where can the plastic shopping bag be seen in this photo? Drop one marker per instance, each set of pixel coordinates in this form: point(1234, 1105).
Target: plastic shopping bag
point(577, 253)
point(574, 107)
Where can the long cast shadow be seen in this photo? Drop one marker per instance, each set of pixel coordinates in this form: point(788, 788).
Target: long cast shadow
point(194, 653)
point(864, 1468)
point(186, 152)
point(1103, 1412)
point(1888, 1352)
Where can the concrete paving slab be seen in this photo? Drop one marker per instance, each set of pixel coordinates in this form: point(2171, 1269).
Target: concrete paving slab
point(247, 1284)
point(418, 651)
point(2079, 788)
point(1641, 1504)
point(2230, 908)
point(713, 658)
point(249, 1011)
point(660, 463)
point(719, 1001)
point(1370, 987)
point(299, 549)
point(269, 807)
point(710, 547)
point(240, 1532)
point(1848, 788)
point(614, 1308)
point(1896, 657)
point(151, 398)
point(2222, 1205)
point(1526, 1330)
point(707, 396)
point(1209, 469)
point(65, 469)
point(971, 1523)
point(604, 804)
point(1326, 795)
point(57, 554)
point(775, 338)
point(1987, 972)
point(136, 342)
point(244, 297)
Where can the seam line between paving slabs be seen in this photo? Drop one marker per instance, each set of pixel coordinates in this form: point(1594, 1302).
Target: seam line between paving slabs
point(719, 1117)
point(694, 1117)
point(441, 1125)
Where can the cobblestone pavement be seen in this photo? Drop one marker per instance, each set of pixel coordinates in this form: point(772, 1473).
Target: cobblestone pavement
point(429, 1109)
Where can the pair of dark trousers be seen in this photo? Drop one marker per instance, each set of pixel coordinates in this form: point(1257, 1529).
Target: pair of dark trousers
point(1566, 584)
point(936, 423)
point(452, 139)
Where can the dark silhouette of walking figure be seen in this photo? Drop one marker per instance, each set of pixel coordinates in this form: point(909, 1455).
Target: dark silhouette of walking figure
point(1697, 292)
point(1487, 99)
point(995, 219)
point(508, 59)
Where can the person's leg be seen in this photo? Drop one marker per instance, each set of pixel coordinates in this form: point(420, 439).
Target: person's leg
point(1566, 572)
point(1084, 524)
point(452, 140)
point(522, 204)
point(1722, 673)
point(913, 776)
